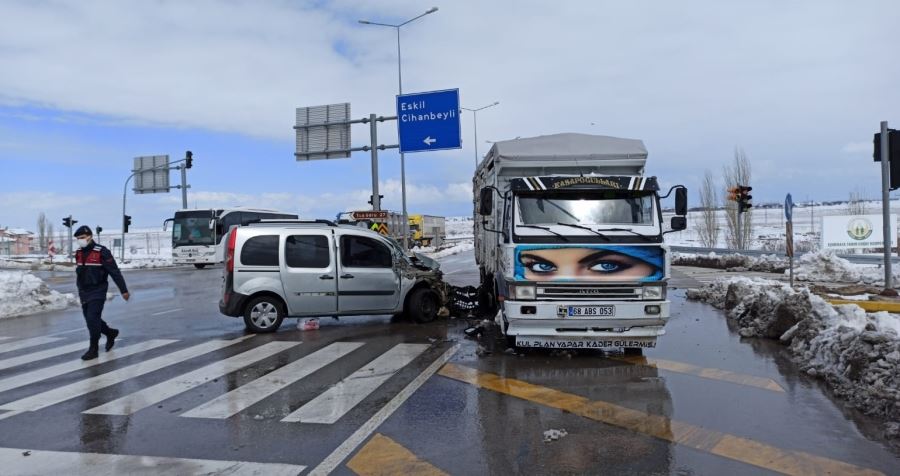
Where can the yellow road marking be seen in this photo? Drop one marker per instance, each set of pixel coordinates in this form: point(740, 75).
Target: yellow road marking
point(710, 373)
point(384, 456)
point(722, 444)
point(871, 306)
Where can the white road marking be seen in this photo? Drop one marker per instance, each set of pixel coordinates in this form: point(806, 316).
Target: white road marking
point(24, 379)
point(82, 329)
point(14, 462)
point(40, 355)
point(349, 445)
point(331, 405)
point(166, 312)
point(4, 416)
point(182, 383)
point(92, 384)
point(25, 343)
point(244, 396)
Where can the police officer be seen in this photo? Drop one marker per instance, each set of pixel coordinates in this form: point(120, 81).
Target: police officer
point(94, 264)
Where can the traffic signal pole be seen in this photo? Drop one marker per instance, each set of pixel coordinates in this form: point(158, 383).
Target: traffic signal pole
point(886, 204)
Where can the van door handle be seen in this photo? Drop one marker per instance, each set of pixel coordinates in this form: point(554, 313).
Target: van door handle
point(326, 276)
point(347, 276)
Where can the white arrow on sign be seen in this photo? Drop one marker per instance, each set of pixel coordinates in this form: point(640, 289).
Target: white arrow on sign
point(428, 141)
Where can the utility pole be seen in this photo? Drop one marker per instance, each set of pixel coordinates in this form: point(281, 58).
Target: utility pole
point(373, 136)
point(886, 204)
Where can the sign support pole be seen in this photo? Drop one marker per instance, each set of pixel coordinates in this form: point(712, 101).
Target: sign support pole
point(373, 133)
point(740, 228)
point(183, 187)
point(886, 203)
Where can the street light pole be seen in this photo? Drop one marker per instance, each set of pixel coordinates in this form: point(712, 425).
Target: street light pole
point(475, 122)
point(405, 224)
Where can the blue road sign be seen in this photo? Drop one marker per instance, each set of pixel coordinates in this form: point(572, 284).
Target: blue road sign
point(429, 121)
point(788, 207)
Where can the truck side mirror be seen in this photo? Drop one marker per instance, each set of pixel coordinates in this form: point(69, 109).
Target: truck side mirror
point(486, 201)
point(681, 205)
point(678, 223)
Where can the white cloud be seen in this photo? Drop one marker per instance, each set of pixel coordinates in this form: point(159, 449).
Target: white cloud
point(857, 148)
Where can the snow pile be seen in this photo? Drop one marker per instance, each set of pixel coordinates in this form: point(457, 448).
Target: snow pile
point(35, 264)
point(456, 249)
point(732, 262)
point(23, 293)
point(856, 353)
point(459, 227)
point(826, 266)
point(143, 262)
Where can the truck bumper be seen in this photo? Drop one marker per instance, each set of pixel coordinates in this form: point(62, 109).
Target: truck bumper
point(537, 324)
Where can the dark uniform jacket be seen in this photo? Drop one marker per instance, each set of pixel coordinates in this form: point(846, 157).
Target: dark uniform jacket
point(94, 264)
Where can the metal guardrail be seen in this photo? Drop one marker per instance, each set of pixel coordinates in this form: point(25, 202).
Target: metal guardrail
point(859, 259)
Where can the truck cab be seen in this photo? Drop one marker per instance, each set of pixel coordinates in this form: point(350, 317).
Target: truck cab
point(574, 260)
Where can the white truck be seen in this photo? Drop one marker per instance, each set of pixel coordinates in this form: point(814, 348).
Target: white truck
point(569, 242)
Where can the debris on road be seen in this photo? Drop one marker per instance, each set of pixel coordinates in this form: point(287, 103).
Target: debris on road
point(310, 324)
point(553, 435)
point(856, 353)
point(22, 293)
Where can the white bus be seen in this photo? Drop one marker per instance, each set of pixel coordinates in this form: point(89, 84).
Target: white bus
point(197, 234)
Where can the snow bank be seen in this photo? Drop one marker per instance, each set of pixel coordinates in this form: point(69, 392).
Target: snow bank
point(34, 264)
point(733, 262)
point(142, 262)
point(856, 353)
point(23, 293)
point(456, 249)
point(826, 266)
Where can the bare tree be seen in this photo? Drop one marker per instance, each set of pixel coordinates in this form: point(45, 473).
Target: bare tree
point(856, 205)
point(708, 227)
point(738, 173)
point(42, 232)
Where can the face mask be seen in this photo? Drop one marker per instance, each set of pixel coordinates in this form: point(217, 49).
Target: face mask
point(83, 242)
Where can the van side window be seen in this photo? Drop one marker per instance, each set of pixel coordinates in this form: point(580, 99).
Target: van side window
point(307, 251)
point(362, 252)
point(260, 251)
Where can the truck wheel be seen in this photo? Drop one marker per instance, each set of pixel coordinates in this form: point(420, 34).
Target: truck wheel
point(263, 314)
point(199, 265)
point(423, 305)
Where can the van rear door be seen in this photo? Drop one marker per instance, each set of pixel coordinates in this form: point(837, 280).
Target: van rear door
point(309, 272)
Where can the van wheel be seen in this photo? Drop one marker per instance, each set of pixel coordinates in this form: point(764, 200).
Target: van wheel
point(263, 314)
point(423, 305)
point(199, 265)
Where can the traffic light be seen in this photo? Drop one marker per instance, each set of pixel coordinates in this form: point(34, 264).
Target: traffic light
point(734, 194)
point(99, 230)
point(126, 220)
point(68, 222)
point(379, 197)
point(188, 159)
point(744, 198)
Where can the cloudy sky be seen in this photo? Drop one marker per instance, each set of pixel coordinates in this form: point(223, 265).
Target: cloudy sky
point(88, 85)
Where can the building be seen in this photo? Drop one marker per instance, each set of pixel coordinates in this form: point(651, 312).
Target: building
point(16, 241)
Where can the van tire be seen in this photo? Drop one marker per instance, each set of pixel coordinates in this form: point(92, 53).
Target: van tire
point(199, 265)
point(423, 305)
point(263, 314)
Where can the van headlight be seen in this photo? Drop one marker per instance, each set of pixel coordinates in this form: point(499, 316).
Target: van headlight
point(523, 293)
point(652, 293)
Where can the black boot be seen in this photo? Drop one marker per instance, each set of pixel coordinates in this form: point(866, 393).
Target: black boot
point(91, 353)
point(111, 338)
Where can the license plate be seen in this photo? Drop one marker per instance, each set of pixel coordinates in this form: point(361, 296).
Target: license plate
point(586, 311)
point(595, 343)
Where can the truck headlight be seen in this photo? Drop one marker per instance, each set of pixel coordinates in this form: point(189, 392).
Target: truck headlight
point(653, 292)
point(523, 292)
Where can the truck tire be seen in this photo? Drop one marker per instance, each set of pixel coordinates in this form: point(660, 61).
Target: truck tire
point(199, 265)
point(423, 305)
point(263, 314)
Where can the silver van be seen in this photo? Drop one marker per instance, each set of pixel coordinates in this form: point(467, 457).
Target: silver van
point(292, 268)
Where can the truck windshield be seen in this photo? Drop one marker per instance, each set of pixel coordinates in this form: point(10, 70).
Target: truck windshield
point(592, 208)
point(192, 230)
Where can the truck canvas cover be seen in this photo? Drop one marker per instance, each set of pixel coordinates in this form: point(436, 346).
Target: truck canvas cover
point(592, 153)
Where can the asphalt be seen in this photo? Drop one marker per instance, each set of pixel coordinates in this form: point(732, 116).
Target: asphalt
point(705, 401)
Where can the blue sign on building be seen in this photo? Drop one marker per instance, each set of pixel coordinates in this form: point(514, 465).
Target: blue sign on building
point(429, 121)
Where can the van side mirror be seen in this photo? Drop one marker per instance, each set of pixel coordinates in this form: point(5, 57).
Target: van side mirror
point(678, 223)
point(681, 202)
point(486, 201)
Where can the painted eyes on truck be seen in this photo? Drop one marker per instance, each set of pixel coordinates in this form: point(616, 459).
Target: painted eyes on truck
point(541, 267)
point(605, 266)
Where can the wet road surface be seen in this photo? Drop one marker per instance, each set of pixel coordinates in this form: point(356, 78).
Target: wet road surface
point(186, 390)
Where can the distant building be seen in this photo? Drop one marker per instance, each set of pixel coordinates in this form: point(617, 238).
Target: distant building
point(16, 241)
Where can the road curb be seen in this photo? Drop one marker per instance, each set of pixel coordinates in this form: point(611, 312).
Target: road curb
point(870, 306)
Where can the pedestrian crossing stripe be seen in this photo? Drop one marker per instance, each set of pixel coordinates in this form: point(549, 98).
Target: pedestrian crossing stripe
point(327, 408)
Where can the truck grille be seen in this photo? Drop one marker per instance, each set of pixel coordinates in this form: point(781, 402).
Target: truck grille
point(576, 292)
